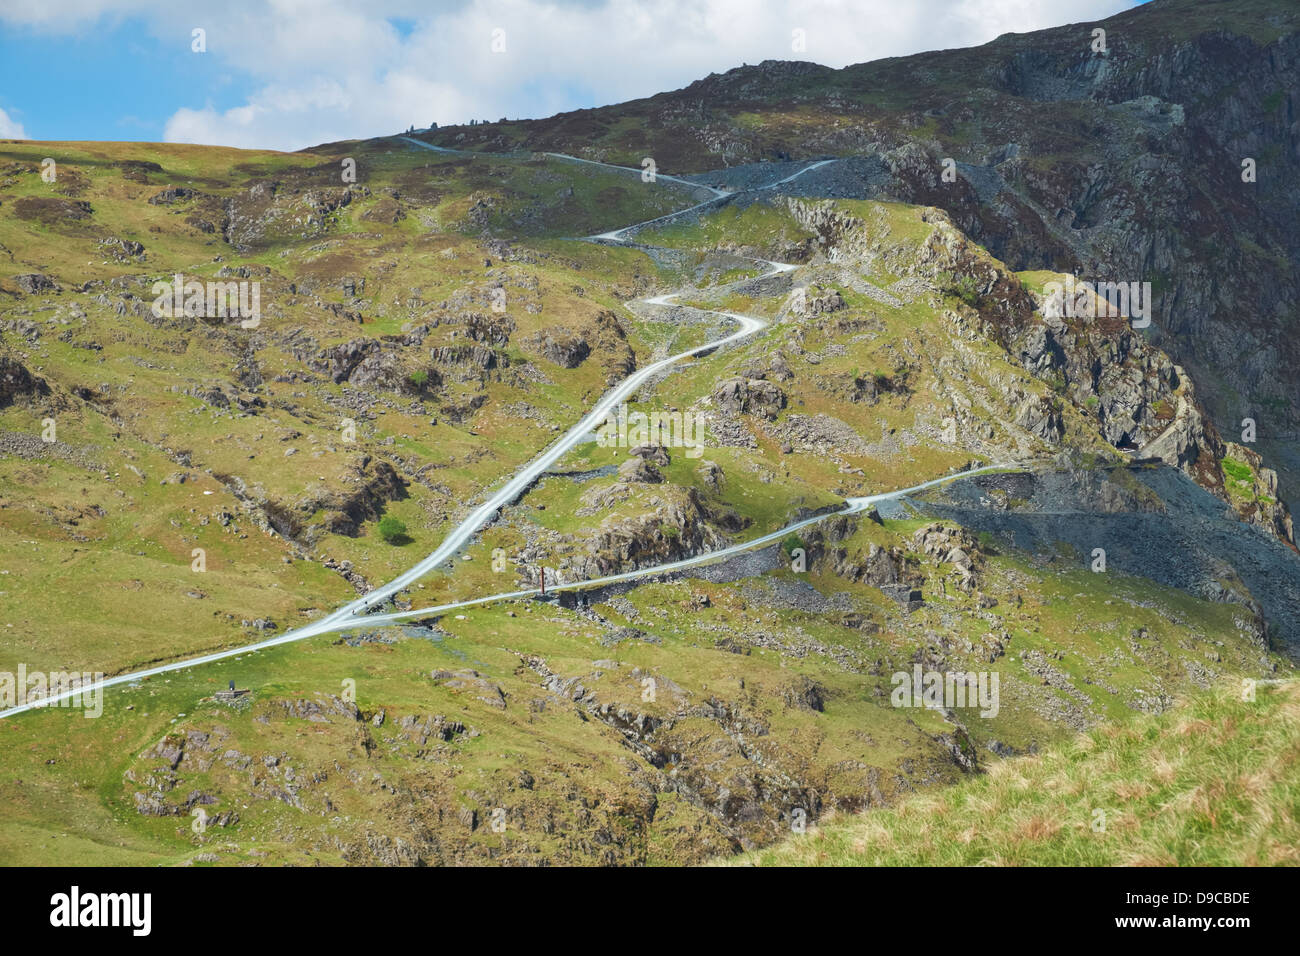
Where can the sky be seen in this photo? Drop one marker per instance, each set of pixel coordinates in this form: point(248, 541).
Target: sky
point(287, 74)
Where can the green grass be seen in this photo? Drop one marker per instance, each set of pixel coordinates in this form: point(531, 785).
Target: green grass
point(1238, 470)
point(1213, 782)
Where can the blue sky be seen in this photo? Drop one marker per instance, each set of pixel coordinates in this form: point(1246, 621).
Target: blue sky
point(110, 83)
point(285, 74)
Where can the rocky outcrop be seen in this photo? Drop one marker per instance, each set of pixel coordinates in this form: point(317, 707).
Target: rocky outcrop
point(476, 358)
point(371, 484)
point(367, 363)
point(33, 283)
point(17, 383)
point(815, 301)
point(564, 347)
point(639, 470)
point(951, 545)
point(681, 526)
point(378, 483)
point(889, 570)
point(1041, 416)
point(173, 195)
point(1252, 490)
point(749, 396)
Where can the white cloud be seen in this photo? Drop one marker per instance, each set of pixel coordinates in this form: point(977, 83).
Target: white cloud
point(335, 69)
point(10, 128)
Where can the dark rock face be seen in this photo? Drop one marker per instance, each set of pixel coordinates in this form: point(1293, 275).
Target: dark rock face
point(340, 361)
point(466, 355)
point(1138, 398)
point(489, 330)
point(1040, 416)
point(16, 383)
point(564, 347)
point(376, 483)
point(642, 470)
point(379, 484)
point(169, 196)
point(1133, 389)
point(804, 694)
point(889, 570)
point(1162, 526)
point(1116, 165)
point(601, 336)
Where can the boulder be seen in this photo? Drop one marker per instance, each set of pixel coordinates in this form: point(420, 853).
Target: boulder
point(752, 396)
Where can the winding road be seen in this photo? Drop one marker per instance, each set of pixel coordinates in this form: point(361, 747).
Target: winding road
point(356, 613)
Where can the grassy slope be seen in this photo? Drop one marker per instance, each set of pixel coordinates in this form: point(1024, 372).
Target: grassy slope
point(742, 650)
point(124, 541)
point(1213, 782)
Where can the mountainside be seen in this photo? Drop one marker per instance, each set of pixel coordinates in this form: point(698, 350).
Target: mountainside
point(1208, 784)
point(1121, 165)
point(386, 452)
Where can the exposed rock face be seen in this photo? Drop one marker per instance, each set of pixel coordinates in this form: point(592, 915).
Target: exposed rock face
point(379, 484)
point(752, 396)
point(683, 525)
point(814, 302)
point(564, 347)
point(711, 474)
point(607, 339)
point(638, 469)
point(469, 356)
point(16, 383)
point(376, 483)
point(1135, 392)
point(32, 283)
point(653, 453)
point(492, 330)
point(368, 363)
point(1255, 495)
point(804, 694)
point(951, 545)
point(1154, 522)
point(1196, 90)
point(173, 195)
point(122, 250)
point(1040, 416)
point(340, 361)
point(889, 570)
point(820, 433)
point(1139, 399)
